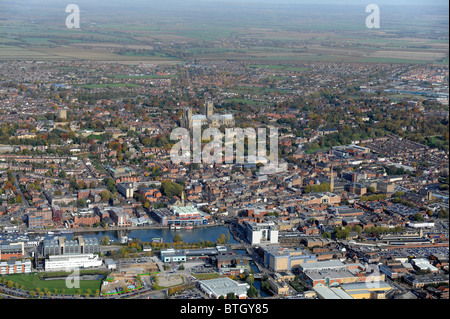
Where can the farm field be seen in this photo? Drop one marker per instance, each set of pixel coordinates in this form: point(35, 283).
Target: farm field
point(168, 33)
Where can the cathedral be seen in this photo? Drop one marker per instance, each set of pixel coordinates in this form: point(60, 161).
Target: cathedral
point(208, 118)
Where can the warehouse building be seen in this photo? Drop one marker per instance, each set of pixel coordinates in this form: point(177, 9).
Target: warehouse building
point(62, 246)
point(217, 287)
point(331, 293)
point(334, 273)
point(71, 262)
point(11, 250)
point(284, 259)
point(367, 290)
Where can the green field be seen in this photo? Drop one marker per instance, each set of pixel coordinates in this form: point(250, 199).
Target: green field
point(34, 282)
point(109, 85)
point(205, 276)
point(137, 77)
point(172, 32)
point(246, 101)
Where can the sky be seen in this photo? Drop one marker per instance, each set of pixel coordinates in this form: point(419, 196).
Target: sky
point(10, 8)
point(340, 2)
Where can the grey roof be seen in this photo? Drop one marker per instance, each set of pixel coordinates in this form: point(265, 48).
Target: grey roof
point(222, 286)
point(331, 293)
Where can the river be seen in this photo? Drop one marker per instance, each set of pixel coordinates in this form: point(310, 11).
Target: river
point(197, 234)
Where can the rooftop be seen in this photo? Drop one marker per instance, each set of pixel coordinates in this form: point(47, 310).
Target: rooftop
point(223, 286)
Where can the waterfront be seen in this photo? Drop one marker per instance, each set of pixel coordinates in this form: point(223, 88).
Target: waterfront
point(197, 234)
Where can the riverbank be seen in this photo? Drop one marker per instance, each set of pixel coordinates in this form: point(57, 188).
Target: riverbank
point(149, 233)
point(108, 229)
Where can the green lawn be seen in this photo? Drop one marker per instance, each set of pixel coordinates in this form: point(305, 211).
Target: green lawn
point(33, 282)
point(206, 276)
point(124, 76)
point(109, 85)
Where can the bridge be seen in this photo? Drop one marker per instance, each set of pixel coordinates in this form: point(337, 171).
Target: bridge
point(238, 246)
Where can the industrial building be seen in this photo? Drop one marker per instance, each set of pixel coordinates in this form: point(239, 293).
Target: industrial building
point(179, 216)
point(331, 293)
point(286, 259)
point(217, 287)
point(11, 250)
point(367, 290)
point(71, 262)
point(334, 273)
point(182, 255)
point(62, 246)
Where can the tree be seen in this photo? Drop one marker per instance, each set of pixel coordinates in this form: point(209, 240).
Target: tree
point(111, 184)
point(443, 213)
point(81, 203)
point(19, 199)
point(177, 238)
point(73, 183)
point(105, 195)
point(358, 229)
point(171, 189)
point(231, 295)
point(250, 280)
point(252, 292)
point(222, 239)
point(104, 240)
point(326, 235)
point(342, 233)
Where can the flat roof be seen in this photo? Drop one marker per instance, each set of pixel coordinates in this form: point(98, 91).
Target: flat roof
point(332, 293)
point(363, 286)
point(223, 286)
point(332, 274)
point(323, 265)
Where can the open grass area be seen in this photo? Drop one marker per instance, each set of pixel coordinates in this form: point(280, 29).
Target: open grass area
point(35, 283)
point(166, 33)
point(246, 101)
point(205, 276)
point(109, 85)
point(138, 77)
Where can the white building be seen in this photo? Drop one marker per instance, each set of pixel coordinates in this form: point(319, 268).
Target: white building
point(14, 266)
point(71, 262)
point(421, 224)
point(126, 189)
point(261, 233)
point(217, 287)
point(110, 264)
point(423, 264)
